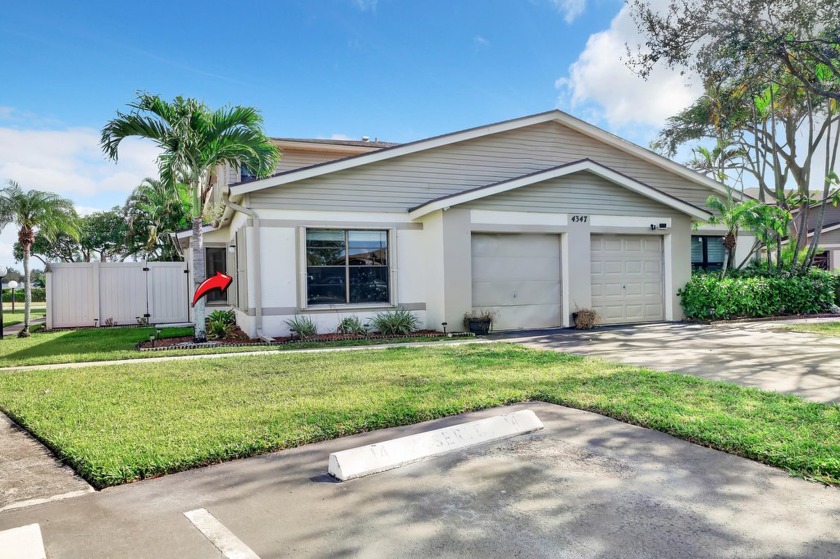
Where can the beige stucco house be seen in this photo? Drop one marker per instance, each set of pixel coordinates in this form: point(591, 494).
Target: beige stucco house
point(533, 217)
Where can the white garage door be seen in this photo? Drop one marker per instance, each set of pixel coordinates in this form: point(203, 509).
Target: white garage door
point(627, 278)
point(519, 277)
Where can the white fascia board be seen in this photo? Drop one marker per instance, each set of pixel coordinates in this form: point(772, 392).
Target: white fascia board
point(811, 234)
point(576, 167)
point(826, 230)
point(391, 153)
point(188, 233)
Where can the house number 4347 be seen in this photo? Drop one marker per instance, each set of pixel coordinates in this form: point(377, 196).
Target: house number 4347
point(580, 218)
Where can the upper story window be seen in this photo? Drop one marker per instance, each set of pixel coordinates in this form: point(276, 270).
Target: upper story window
point(346, 266)
point(246, 174)
point(215, 260)
point(707, 252)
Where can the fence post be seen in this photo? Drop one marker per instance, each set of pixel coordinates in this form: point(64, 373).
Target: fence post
point(96, 295)
point(48, 288)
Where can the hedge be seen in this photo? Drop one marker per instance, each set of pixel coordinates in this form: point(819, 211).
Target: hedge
point(39, 295)
point(708, 297)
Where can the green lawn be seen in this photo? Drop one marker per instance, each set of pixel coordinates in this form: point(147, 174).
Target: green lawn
point(823, 328)
point(106, 344)
point(16, 317)
point(138, 420)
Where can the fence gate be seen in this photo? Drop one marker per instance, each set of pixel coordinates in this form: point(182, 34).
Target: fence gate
point(116, 293)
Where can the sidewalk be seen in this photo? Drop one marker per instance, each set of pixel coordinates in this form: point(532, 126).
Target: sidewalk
point(29, 473)
point(14, 329)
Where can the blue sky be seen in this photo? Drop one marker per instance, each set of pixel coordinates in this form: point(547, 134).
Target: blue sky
point(397, 70)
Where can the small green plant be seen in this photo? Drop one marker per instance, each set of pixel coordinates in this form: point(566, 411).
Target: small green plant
point(303, 327)
point(398, 322)
point(352, 326)
point(218, 329)
point(227, 317)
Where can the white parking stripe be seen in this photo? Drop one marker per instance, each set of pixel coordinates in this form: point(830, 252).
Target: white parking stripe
point(230, 546)
point(22, 543)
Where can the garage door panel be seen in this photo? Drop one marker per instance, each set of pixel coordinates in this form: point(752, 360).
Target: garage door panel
point(518, 276)
point(524, 269)
point(627, 278)
point(492, 293)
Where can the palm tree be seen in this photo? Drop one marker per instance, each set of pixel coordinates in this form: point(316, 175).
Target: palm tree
point(35, 211)
point(195, 140)
point(153, 210)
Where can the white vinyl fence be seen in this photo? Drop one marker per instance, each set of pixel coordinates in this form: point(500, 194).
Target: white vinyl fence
point(116, 293)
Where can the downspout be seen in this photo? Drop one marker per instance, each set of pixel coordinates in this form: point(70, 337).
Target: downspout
point(257, 293)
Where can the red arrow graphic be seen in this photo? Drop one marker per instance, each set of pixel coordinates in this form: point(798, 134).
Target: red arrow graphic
point(219, 281)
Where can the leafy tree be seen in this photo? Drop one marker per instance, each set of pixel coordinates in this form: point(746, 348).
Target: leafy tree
point(102, 236)
point(195, 141)
point(35, 212)
point(12, 275)
point(742, 39)
point(154, 210)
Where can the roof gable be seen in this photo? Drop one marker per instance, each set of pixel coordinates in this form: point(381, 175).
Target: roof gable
point(586, 165)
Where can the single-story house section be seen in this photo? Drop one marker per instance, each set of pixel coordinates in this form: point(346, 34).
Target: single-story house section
point(828, 249)
point(532, 218)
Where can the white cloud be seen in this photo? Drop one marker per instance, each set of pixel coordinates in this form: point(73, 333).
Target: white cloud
point(480, 42)
point(366, 5)
point(339, 137)
point(599, 85)
point(69, 162)
point(570, 9)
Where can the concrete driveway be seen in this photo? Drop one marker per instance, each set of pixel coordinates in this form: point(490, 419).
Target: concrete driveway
point(585, 486)
point(758, 354)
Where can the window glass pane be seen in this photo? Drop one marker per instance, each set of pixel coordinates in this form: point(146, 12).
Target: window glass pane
point(696, 250)
point(325, 285)
point(715, 249)
point(316, 237)
point(368, 248)
point(215, 261)
point(369, 284)
point(325, 256)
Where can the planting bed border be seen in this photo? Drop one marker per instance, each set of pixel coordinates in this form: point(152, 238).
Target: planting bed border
point(299, 341)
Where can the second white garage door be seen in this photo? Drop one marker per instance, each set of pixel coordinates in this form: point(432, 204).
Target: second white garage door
point(627, 278)
point(519, 277)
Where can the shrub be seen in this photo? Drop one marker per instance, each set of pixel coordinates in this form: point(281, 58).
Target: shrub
point(39, 294)
point(585, 319)
point(707, 296)
point(227, 317)
point(218, 329)
point(398, 322)
point(351, 325)
point(303, 327)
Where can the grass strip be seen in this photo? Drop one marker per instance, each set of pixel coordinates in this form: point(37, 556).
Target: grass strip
point(122, 423)
point(107, 344)
point(822, 328)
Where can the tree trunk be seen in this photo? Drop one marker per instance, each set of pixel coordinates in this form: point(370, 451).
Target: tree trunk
point(199, 265)
point(27, 290)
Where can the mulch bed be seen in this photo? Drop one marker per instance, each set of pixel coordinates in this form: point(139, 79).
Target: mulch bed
point(238, 338)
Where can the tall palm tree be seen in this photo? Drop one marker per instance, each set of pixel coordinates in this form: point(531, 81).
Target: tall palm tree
point(195, 140)
point(35, 212)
